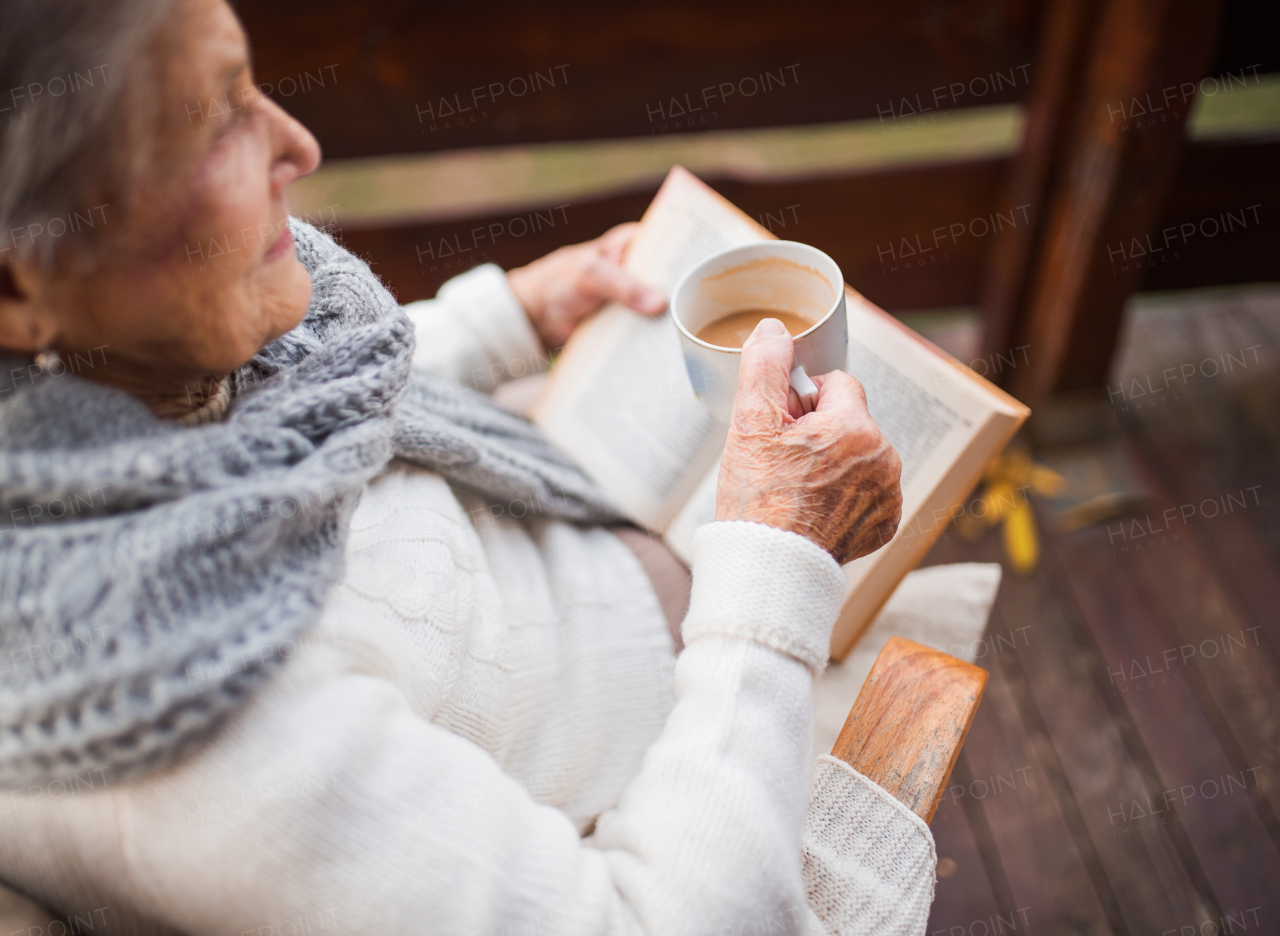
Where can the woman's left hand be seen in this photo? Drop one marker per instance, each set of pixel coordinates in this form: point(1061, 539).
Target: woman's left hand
point(560, 289)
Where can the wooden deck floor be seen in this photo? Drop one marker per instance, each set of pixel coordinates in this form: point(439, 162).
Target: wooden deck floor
point(1123, 773)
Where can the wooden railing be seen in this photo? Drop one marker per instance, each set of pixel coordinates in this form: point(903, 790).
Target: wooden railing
point(1091, 173)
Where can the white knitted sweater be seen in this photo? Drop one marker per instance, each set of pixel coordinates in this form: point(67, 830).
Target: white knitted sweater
point(479, 695)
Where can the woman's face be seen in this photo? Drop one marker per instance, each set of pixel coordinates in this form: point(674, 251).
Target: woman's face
point(206, 272)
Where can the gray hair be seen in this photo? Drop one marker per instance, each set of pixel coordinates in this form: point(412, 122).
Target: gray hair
point(66, 70)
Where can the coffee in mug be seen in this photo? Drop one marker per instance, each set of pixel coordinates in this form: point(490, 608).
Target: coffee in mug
point(732, 330)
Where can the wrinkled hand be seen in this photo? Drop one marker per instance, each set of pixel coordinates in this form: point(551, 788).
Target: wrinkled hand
point(830, 475)
point(566, 285)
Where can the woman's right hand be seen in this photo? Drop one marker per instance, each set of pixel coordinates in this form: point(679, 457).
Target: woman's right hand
point(830, 475)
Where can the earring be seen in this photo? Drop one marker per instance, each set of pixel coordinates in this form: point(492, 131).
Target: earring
point(47, 359)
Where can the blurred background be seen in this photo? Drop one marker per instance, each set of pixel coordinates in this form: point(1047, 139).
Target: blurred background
point(1077, 199)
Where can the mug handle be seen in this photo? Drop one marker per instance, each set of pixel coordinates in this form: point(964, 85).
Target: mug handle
point(805, 388)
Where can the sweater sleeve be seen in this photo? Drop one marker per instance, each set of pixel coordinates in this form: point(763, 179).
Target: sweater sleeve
point(869, 862)
point(328, 799)
point(475, 331)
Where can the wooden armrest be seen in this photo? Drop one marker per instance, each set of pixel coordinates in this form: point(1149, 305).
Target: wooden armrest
point(910, 720)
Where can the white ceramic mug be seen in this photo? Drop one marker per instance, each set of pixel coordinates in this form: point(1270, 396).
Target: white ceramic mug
point(783, 275)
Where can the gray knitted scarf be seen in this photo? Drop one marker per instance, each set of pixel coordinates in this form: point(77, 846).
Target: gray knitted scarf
point(153, 575)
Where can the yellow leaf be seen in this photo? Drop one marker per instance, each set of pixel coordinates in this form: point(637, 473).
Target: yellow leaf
point(1047, 481)
point(999, 499)
point(1021, 543)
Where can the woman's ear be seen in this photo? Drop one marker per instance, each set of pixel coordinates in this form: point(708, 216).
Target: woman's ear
point(24, 325)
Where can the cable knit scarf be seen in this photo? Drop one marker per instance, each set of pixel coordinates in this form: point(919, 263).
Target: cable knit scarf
point(152, 575)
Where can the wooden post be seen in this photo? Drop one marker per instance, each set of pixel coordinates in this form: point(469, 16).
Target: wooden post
point(910, 720)
point(1059, 63)
point(1120, 144)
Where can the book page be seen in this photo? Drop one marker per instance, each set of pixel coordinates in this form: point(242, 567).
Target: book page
point(946, 425)
point(698, 510)
point(619, 399)
point(924, 404)
point(649, 417)
point(913, 420)
point(929, 422)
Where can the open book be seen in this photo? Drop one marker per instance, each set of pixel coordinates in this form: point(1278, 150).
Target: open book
point(620, 402)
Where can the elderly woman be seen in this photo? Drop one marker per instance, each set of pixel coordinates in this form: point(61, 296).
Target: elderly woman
point(273, 667)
